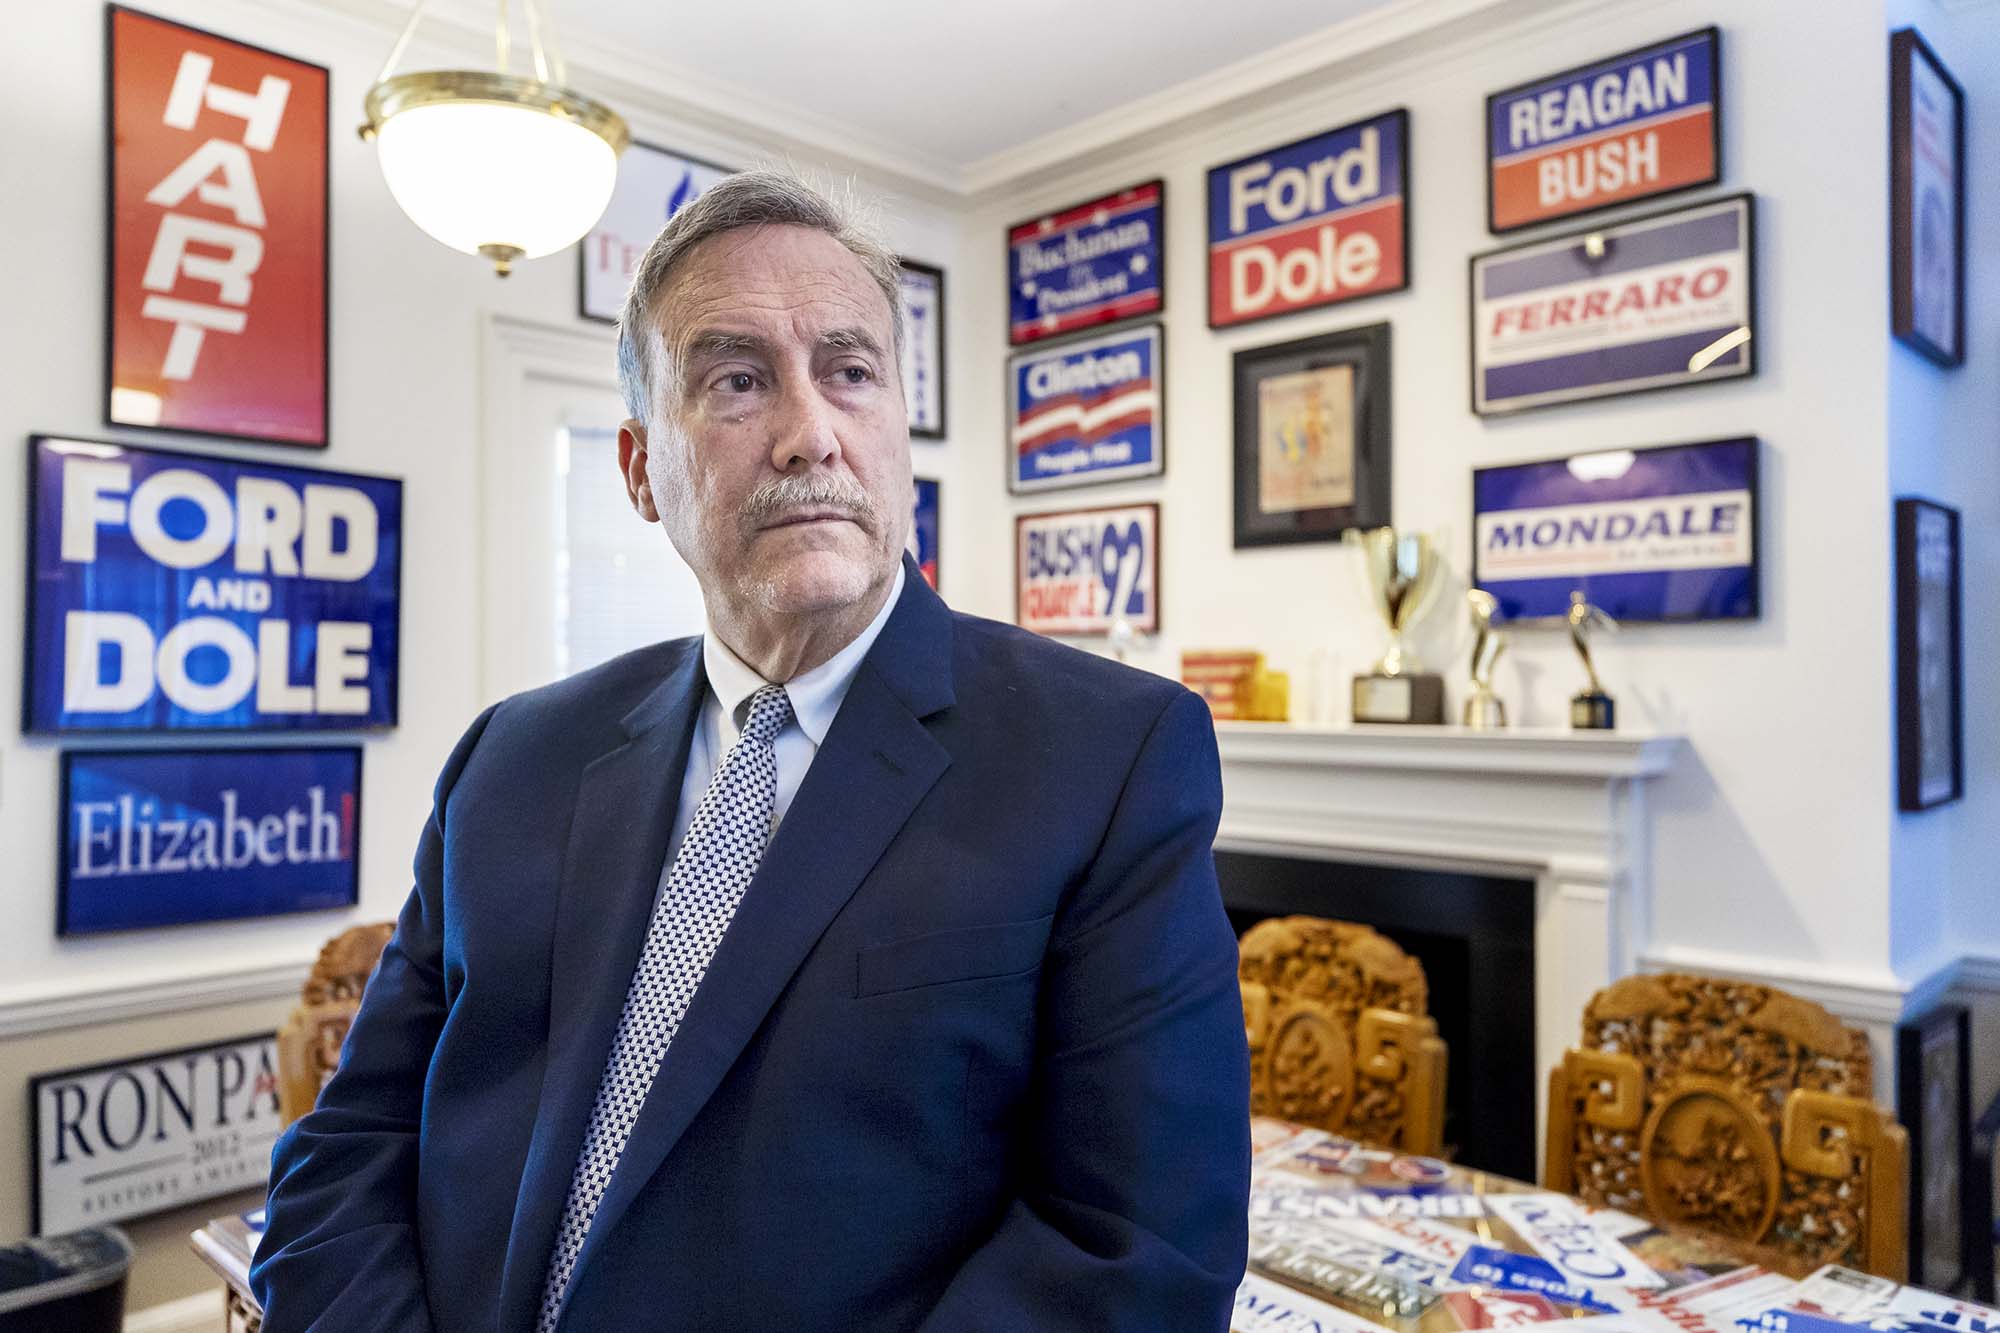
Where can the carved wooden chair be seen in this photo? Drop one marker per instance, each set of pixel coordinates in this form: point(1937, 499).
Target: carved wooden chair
point(1339, 1037)
point(1735, 1109)
point(309, 1042)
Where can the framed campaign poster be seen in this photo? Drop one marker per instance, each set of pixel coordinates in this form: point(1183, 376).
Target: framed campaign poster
point(1645, 303)
point(1665, 533)
point(923, 347)
point(924, 528)
point(1633, 126)
point(183, 592)
point(653, 184)
point(1930, 707)
point(168, 837)
point(1312, 437)
point(1088, 411)
point(1092, 263)
point(1312, 223)
point(216, 253)
point(1934, 1103)
point(1082, 571)
point(1927, 201)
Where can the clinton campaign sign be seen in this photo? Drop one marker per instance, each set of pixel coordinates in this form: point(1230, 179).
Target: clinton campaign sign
point(1641, 124)
point(1092, 264)
point(163, 837)
point(1087, 411)
point(1668, 533)
point(1079, 572)
point(183, 592)
point(1312, 223)
point(1645, 304)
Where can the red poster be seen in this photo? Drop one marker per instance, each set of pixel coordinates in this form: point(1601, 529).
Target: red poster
point(218, 247)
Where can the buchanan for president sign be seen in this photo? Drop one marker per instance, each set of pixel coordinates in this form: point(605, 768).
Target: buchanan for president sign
point(1668, 533)
point(165, 837)
point(1086, 411)
point(1092, 264)
point(183, 592)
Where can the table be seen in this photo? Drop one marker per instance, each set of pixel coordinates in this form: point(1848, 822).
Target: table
point(225, 1244)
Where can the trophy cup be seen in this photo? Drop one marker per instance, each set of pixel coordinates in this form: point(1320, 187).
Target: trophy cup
point(1483, 708)
point(1591, 709)
point(1403, 571)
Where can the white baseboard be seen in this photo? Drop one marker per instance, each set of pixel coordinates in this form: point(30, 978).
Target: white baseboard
point(200, 1313)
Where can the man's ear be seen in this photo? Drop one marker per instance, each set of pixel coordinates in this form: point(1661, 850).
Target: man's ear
point(632, 462)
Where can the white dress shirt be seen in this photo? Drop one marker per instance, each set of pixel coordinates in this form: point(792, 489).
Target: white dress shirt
point(815, 696)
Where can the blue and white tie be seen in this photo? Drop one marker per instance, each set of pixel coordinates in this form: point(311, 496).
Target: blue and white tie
point(718, 856)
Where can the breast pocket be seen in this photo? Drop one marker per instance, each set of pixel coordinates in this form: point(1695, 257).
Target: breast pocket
point(975, 952)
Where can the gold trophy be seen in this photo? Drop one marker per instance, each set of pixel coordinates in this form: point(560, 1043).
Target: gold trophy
point(1483, 708)
point(1590, 709)
point(1403, 573)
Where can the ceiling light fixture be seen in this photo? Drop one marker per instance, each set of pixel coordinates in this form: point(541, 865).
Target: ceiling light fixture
point(494, 163)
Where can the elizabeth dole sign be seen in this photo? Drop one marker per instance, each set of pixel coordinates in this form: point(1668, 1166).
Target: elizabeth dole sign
point(181, 592)
point(1310, 224)
point(218, 236)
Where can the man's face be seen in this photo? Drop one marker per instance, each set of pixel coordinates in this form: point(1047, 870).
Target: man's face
point(779, 455)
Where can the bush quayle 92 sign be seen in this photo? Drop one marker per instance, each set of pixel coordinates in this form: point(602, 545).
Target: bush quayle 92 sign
point(1633, 126)
point(1087, 411)
point(1095, 263)
point(217, 235)
point(1311, 223)
point(165, 837)
point(1666, 533)
point(135, 1137)
point(1081, 571)
point(1646, 303)
point(184, 592)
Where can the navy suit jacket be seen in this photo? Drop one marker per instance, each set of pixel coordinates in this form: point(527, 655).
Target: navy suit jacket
point(970, 1056)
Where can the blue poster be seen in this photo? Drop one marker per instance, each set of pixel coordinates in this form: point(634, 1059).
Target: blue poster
point(1092, 264)
point(165, 837)
point(924, 529)
point(1667, 533)
point(184, 592)
point(1086, 411)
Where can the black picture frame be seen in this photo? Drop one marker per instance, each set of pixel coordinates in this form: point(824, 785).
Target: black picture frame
point(1366, 350)
point(1714, 35)
point(109, 367)
point(1934, 1103)
point(1929, 658)
point(1906, 47)
point(936, 342)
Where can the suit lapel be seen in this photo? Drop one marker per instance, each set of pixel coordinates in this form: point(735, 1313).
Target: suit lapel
point(625, 807)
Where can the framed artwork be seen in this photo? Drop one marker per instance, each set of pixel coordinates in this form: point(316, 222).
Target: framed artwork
point(1644, 303)
point(1096, 262)
point(653, 184)
point(1312, 437)
point(1312, 223)
point(1083, 570)
point(1664, 533)
point(923, 347)
point(1933, 1101)
point(183, 592)
point(1633, 126)
point(924, 528)
point(216, 241)
point(168, 837)
point(1926, 201)
point(133, 1137)
point(1930, 708)
point(1089, 411)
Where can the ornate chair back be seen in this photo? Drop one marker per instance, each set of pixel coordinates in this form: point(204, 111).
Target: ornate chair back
point(309, 1042)
point(1735, 1109)
point(1339, 1036)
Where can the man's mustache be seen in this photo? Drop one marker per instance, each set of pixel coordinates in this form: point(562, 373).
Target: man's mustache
point(818, 492)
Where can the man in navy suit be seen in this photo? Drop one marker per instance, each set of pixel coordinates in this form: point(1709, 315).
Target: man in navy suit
point(856, 965)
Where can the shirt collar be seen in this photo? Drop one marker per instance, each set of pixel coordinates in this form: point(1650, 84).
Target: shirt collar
point(815, 695)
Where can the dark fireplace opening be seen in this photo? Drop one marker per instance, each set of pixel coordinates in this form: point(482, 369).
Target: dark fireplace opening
point(1475, 936)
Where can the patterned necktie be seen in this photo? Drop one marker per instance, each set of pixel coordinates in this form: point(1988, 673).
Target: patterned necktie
point(719, 854)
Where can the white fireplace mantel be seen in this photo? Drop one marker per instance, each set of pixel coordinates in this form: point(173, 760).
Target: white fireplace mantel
point(1560, 810)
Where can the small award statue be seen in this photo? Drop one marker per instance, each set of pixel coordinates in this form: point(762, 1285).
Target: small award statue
point(1483, 708)
point(1403, 572)
point(1590, 710)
